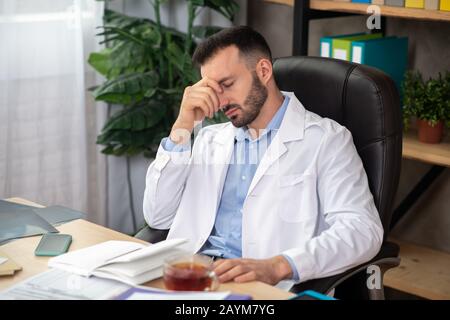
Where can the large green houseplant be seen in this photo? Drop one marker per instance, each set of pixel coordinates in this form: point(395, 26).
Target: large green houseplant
point(147, 65)
point(429, 102)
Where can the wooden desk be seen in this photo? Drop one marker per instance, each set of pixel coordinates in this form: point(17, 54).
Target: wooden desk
point(86, 234)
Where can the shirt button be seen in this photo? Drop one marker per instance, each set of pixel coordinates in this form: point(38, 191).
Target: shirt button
point(243, 177)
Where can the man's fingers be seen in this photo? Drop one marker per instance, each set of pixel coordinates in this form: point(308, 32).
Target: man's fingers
point(246, 277)
point(233, 273)
point(223, 265)
point(201, 104)
point(202, 101)
point(211, 95)
point(207, 82)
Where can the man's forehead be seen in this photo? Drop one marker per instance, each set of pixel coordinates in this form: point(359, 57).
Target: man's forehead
point(223, 64)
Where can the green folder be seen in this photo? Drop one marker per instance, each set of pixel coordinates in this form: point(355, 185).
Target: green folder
point(342, 47)
point(326, 43)
point(388, 54)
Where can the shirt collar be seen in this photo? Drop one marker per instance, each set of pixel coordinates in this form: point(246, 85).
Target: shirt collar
point(274, 124)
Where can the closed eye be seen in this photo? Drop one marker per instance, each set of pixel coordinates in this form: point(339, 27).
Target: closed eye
point(227, 85)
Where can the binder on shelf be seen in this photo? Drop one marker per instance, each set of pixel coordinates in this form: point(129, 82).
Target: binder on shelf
point(361, 1)
point(388, 54)
point(419, 4)
point(395, 3)
point(445, 5)
point(326, 43)
point(432, 4)
point(342, 47)
point(378, 2)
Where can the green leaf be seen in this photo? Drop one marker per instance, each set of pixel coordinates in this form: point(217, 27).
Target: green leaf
point(126, 88)
point(123, 34)
point(100, 61)
point(150, 92)
point(137, 118)
point(119, 20)
point(228, 8)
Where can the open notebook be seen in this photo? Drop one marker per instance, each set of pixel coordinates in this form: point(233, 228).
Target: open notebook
point(129, 262)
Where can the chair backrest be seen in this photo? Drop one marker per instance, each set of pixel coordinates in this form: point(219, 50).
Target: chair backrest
point(365, 101)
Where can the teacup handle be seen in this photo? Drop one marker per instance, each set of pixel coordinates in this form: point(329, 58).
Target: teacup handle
point(214, 281)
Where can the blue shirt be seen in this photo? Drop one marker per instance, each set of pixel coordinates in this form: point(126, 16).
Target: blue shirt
point(226, 237)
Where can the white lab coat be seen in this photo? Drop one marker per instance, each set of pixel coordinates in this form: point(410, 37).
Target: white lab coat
point(309, 198)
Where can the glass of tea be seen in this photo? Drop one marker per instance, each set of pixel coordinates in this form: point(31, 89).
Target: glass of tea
point(190, 272)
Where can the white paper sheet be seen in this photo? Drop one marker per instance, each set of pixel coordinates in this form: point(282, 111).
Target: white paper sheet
point(61, 285)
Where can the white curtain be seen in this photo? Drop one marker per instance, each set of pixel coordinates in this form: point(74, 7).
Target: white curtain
point(48, 121)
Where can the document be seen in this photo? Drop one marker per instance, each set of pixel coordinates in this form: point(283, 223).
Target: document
point(61, 285)
point(130, 262)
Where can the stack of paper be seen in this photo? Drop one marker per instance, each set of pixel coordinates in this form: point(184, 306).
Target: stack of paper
point(129, 262)
point(61, 285)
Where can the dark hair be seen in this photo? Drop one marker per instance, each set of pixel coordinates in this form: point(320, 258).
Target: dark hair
point(250, 43)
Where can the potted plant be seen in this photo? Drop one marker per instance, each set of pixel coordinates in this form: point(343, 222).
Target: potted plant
point(147, 65)
point(429, 102)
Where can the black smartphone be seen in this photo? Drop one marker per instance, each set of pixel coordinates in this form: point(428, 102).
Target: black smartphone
point(53, 244)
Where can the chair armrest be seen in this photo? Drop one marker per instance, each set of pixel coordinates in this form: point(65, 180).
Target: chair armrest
point(151, 235)
point(387, 257)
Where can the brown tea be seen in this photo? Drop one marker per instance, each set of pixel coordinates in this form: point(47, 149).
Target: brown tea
point(187, 276)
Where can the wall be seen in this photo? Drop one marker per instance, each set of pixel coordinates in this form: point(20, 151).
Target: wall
point(428, 222)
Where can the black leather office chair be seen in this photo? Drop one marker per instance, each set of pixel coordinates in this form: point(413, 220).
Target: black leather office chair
point(366, 102)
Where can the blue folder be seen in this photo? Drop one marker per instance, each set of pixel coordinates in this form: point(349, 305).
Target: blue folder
point(388, 54)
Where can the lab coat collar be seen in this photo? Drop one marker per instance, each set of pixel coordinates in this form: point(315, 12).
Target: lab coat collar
point(293, 125)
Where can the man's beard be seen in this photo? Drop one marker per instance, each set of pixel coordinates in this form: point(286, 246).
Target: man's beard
point(253, 104)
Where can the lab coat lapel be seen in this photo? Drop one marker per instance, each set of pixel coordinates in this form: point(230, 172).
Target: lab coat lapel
point(291, 128)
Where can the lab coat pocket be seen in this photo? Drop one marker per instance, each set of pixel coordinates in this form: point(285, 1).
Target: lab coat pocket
point(297, 197)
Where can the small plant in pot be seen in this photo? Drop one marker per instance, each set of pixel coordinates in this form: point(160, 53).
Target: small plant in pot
point(429, 102)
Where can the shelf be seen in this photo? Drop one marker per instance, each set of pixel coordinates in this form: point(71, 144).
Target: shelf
point(361, 8)
point(423, 272)
point(431, 153)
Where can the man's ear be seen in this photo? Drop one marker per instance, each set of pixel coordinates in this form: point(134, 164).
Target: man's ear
point(264, 70)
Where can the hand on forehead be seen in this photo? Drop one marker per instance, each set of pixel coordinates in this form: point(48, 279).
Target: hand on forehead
point(207, 82)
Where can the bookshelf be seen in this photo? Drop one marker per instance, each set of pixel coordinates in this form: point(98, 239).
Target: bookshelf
point(361, 8)
point(423, 272)
point(437, 154)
